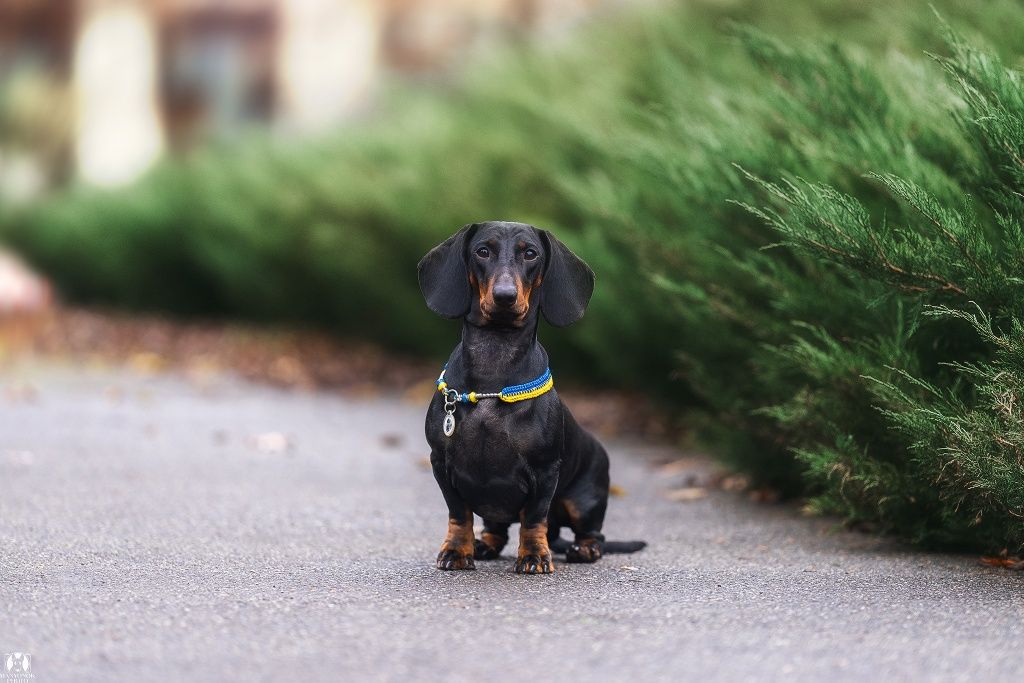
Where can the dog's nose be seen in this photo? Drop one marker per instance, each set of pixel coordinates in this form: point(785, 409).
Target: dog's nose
point(504, 292)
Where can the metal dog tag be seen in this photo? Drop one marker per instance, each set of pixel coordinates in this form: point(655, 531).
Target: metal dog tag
point(451, 397)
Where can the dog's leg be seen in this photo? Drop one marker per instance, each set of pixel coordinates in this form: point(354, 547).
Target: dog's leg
point(586, 522)
point(534, 555)
point(457, 549)
point(585, 504)
point(492, 540)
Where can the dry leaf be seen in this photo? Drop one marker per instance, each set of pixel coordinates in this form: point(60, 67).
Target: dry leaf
point(687, 494)
point(675, 467)
point(391, 440)
point(763, 495)
point(1004, 562)
point(736, 482)
point(147, 363)
point(271, 442)
point(616, 491)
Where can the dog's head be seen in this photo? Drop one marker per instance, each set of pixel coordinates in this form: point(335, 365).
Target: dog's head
point(501, 274)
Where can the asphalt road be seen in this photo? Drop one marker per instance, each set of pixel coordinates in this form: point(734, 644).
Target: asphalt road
point(156, 530)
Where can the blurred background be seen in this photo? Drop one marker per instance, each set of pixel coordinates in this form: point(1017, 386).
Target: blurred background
point(250, 184)
point(97, 94)
point(100, 90)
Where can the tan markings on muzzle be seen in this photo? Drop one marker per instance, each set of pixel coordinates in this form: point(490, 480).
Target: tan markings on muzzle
point(481, 293)
point(526, 291)
point(522, 305)
point(486, 294)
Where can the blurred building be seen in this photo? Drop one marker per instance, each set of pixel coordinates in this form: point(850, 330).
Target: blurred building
point(100, 89)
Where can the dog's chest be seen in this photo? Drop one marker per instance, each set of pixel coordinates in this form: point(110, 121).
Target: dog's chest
point(488, 459)
point(488, 438)
point(492, 441)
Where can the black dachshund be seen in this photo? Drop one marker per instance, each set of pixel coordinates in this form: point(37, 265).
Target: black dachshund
point(503, 444)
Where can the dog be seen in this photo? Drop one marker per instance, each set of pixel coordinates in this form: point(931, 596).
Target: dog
point(503, 445)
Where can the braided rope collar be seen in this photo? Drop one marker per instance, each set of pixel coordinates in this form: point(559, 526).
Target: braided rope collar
point(510, 394)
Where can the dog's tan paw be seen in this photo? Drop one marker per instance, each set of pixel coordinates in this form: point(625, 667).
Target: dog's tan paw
point(535, 564)
point(454, 559)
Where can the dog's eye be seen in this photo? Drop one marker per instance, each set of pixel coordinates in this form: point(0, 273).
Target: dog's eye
point(483, 252)
point(530, 254)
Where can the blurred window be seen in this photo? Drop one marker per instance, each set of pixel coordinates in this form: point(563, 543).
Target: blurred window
point(217, 72)
point(36, 42)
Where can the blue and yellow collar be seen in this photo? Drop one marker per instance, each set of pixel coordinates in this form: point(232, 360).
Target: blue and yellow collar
point(510, 394)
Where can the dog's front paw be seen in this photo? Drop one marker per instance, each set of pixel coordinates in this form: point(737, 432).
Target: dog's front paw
point(535, 564)
point(454, 559)
point(586, 551)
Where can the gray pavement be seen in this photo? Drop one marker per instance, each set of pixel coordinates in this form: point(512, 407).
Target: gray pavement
point(156, 530)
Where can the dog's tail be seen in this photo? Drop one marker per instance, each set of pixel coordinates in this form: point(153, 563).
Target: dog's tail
point(560, 545)
point(623, 547)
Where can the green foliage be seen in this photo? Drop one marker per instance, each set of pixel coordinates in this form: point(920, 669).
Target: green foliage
point(939, 460)
point(813, 247)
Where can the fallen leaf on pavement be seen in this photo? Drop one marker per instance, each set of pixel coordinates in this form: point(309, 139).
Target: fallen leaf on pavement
point(147, 363)
point(271, 442)
point(736, 482)
point(675, 467)
point(686, 494)
point(1004, 562)
point(616, 491)
point(763, 495)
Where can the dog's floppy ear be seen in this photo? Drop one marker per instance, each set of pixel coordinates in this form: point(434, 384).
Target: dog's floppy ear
point(443, 277)
point(568, 283)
